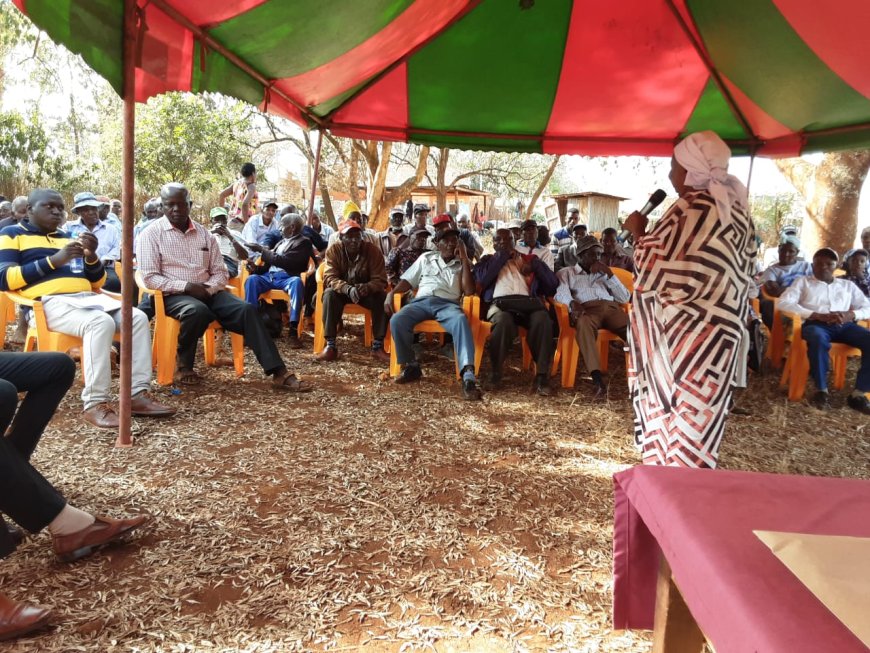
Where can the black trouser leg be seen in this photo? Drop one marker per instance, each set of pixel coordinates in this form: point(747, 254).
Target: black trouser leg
point(195, 316)
point(238, 316)
point(310, 294)
point(45, 377)
point(540, 340)
point(504, 330)
point(112, 283)
point(375, 304)
point(333, 309)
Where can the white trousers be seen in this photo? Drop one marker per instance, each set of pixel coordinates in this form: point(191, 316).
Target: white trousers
point(97, 329)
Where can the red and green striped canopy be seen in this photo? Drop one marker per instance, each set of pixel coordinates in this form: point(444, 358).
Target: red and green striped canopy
point(555, 76)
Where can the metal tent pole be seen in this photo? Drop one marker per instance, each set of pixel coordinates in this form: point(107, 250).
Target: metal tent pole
point(125, 438)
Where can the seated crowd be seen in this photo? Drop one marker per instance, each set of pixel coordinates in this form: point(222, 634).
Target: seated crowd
point(425, 270)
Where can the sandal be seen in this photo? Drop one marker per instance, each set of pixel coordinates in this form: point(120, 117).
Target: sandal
point(187, 377)
point(289, 383)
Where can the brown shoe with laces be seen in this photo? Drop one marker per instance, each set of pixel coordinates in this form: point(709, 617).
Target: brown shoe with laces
point(103, 531)
point(144, 405)
point(103, 416)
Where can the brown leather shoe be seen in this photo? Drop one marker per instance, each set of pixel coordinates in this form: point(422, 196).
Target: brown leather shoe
point(328, 355)
point(381, 355)
point(144, 405)
point(103, 416)
point(17, 619)
point(293, 340)
point(103, 531)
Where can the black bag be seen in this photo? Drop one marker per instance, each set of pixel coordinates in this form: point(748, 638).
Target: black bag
point(519, 305)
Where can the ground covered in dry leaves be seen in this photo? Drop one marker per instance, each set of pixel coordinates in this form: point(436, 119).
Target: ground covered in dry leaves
point(370, 517)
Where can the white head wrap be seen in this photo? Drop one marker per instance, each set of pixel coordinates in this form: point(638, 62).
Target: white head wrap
point(705, 157)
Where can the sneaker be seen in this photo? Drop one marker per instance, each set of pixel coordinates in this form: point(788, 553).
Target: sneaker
point(822, 400)
point(471, 391)
point(409, 374)
point(861, 404)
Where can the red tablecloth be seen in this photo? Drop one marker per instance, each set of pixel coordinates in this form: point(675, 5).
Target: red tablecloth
point(743, 598)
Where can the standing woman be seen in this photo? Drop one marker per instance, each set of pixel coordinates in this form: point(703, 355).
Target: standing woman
point(245, 201)
point(693, 271)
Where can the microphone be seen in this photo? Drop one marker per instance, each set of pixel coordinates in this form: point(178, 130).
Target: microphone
point(654, 200)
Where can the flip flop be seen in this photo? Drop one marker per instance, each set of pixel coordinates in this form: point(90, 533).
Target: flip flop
point(291, 384)
point(187, 377)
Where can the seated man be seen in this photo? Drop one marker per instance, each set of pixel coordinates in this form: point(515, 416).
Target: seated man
point(856, 270)
point(513, 287)
point(231, 248)
point(261, 224)
point(567, 256)
point(829, 308)
point(563, 236)
point(353, 272)
point(286, 263)
point(421, 219)
point(440, 279)
point(531, 245)
point(865, 245)
point(401, 258)
point(352, 213)
point(781, 275)
point(39, 261)
point(181, 258)
point(614, 256)
point(150, 213)
point(472, 243)
point(395, 236)
point(108, 236)
point(594, 296)
point(25, 495)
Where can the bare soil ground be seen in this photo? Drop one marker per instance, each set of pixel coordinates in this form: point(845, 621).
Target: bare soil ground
point(370, 517)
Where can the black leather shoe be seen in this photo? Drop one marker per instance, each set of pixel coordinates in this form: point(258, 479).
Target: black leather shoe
point(471, 391)
point(822, 400)
point(15, 533)
point(861, 404)
point(409, 374)
point(541, 386)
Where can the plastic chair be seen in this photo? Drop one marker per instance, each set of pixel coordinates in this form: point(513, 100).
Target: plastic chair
point(271, 296)
point(432, 326)
point(797, 366)
point(164, 345)
point(776, 345)
point(349, 309)
point(40, 337)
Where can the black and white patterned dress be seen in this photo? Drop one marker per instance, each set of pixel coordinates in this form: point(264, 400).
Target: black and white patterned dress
point(693, 272)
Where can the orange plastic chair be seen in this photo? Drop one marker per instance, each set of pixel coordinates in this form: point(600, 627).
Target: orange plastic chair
point(349, 309)
point(164, 343)
point(432, 326)
point(797, 366)
point(271, 296)
point(7, 315)
point(776, 346)
point(40, 337)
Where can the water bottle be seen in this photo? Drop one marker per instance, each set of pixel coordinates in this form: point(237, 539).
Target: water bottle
point(77, 265)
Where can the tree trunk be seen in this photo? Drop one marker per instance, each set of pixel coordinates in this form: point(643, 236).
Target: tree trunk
point(380, 220)
point(329, 213)
point(541, 186)
point(378, 181)
point(440, 181)
point(831, 191)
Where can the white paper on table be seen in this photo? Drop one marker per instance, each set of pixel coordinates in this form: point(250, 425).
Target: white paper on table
point(90, 300)
point(835, 568)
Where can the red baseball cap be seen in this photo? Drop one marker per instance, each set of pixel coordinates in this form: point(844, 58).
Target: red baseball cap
point(441, 219)
point(347, 225)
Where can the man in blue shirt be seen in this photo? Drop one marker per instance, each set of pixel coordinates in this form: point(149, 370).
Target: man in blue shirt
point(86, 207)
point(261, 224)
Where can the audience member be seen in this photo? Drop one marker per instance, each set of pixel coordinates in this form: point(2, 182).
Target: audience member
point(781, 275)
point(531, 245)
point(35, 260)
point(829, 308)
point(6, 218)
point(594, 296)
point(244, 199)
point(420, 220)
point(150, 212)
point(395, 236)
point(856, 270)
point(440, 279)
point(516, 229)
point(232, 250)
point(354, 272)
point(105, 212)
point(613, 255)
point(401, 258)
point(108, 236)
point(567, 256)
point(513, 287)
point(564, 236)
point(472, 243)
point(180, 257)
point(285, 264)
point(257, 228)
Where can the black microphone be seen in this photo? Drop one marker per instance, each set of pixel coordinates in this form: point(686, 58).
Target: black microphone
point(654, 200)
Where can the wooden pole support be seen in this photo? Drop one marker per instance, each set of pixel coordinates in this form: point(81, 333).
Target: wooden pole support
point(314, 174)
point(675, 629)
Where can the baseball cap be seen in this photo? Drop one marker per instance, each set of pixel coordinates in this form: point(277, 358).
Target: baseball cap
point(347, 225)
point(86, 199)
point(515, 224)
point(420, 208)
point(271, 203)
point(441, 219)
point(585, 243)
point(420, 230)
point(218, 210)
point(528, 223)
point(102, 199)
point(578, 226)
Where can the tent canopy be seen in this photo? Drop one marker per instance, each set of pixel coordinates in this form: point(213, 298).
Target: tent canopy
point(778, 77)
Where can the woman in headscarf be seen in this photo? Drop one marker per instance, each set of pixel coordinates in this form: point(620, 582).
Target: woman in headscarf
point(693, 272)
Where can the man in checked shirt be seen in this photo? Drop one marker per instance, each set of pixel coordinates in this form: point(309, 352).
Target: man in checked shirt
point(181, 258)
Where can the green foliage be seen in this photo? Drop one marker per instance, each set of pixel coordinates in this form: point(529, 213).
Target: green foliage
point(773, 212)
point(200, 141)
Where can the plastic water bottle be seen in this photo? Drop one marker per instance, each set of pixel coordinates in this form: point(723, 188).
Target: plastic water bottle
point(77, 265)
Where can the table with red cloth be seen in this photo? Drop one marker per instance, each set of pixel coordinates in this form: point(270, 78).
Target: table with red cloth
point(740, 595)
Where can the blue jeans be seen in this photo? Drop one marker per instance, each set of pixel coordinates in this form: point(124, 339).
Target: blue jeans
point(449, 315)
point(819, 337)
point(257, 284)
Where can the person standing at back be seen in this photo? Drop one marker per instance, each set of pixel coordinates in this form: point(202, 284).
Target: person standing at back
point(245, 201)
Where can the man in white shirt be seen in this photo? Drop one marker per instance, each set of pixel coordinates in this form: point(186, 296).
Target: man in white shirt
point(829, 308)
point(260, 225)
point(530, 245)
point(440, 279)
point(594, 296)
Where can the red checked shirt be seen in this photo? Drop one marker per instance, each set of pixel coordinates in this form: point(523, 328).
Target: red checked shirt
point(169, 258)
